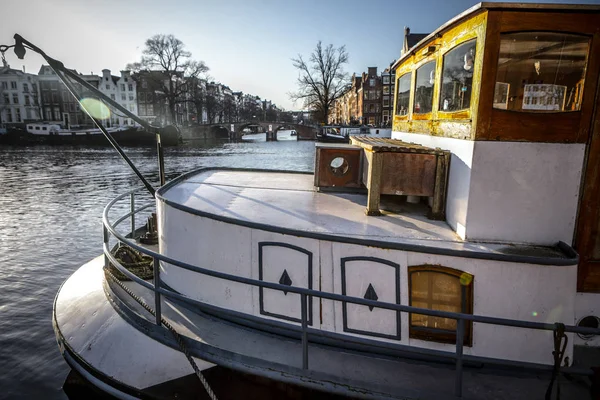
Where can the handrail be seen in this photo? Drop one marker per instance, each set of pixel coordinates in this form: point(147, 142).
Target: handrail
point(156, 287)
point(334, 296)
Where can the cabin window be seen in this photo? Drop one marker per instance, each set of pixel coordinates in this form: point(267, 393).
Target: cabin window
point(439, 288)
point(540, 72)
point(424, 88)
point(403, 96)
point(457, 77)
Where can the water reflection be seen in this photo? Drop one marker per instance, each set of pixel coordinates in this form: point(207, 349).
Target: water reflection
point(51, 204)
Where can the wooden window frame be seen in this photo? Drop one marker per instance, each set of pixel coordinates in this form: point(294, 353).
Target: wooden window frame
point(439, 335)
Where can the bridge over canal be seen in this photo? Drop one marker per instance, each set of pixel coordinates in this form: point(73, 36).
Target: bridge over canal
point(234, 130)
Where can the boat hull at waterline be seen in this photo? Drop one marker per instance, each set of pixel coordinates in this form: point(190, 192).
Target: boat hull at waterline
point(125, 137)
point(254, 137)
point(286, 135)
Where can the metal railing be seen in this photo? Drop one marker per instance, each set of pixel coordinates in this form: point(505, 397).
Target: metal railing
point(304, 331)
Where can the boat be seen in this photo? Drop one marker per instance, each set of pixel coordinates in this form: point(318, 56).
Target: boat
point(458, 258)
point(55, 134)
point(255, 137)
point(286, 135)
point(332, 134)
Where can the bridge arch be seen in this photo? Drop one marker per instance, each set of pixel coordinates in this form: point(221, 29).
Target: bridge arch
point(220, 130)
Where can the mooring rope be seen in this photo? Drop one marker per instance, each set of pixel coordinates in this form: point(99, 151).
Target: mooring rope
point(178, 337)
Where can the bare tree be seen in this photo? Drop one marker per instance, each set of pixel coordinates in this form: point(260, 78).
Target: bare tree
point(321, 79)
point(167, 54)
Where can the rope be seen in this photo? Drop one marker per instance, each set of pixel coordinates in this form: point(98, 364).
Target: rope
point(560, 345)
point(178, 337)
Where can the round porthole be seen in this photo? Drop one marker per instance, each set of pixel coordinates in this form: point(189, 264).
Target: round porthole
point(339, 166)
point(588, 322)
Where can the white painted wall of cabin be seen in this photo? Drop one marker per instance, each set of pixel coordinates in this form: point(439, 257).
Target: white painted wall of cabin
point(524, 192)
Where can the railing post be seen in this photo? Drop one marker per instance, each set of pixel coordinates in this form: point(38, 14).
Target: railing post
point(132, 204)
point(105, 238)
point(156, 293)
point(460, 334)
point(304, 333)
point(460, 337)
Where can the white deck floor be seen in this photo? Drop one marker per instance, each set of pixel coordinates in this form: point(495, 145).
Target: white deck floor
point(290, 201)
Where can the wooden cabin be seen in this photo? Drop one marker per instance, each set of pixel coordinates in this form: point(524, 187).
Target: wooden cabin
point(512, 90)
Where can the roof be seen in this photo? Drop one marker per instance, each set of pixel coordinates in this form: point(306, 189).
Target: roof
point(498, 6)
point(413, 38)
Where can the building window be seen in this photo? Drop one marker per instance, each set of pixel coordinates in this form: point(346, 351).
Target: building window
point(28, 113)
point(142, 109)
point(57, 114)
point(439, 288)
point(112, 96)
point(107, 87)
point(371, 120)
point(386, 90)
point(9, 117)
point(144, 84)
point(25, 88)
point(15, 98)
point(131, 87)
point(386, 80)
point(18, 115)
point(48, 114)
point(403, 97)
point(122, 87)
point(149, 97)
point(457, 77)
point(386, 101)
point(424, 88)
point(34, 87)
point(150, 109)
point(541, 71)
point(141, 97)
point(6, 98)
point(123, 97)
point(4, 85)
point(130, 97)
point(386, 115)
point(13, 85)
point(27, 102)
point(54, 98)
point(372, 82)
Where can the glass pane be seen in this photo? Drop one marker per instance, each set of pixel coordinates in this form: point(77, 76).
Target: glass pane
point(457, 77)
point(424, 88)
point(435, 291)
point(403, 94)
point(540, 71)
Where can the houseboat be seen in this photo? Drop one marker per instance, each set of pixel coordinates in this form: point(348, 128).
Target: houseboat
point(55, 133)
point(458, 258)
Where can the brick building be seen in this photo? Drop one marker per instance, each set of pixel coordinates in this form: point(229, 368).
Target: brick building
point(372, 89)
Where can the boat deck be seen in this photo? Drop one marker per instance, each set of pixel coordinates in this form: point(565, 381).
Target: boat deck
point(287, 202)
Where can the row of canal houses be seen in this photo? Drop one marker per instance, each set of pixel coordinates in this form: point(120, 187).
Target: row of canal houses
point(369, 98)
point(26, 97)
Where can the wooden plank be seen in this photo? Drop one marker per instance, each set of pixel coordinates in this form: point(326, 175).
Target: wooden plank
point(374, 179)
point(438, 208)
point(482, 117)
point(587, 235)
point(408, 174)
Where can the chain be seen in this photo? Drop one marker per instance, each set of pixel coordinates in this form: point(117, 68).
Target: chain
point(176, 335)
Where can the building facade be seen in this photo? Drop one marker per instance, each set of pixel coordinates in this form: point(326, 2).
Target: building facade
point(371, 97)
point(19, 97)
point(388, 80)
point(57, 104)
point(123, 90)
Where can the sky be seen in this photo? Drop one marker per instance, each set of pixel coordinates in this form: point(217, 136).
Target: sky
point(247, 44)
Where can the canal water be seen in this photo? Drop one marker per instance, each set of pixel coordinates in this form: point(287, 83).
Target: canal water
point(51, 202)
